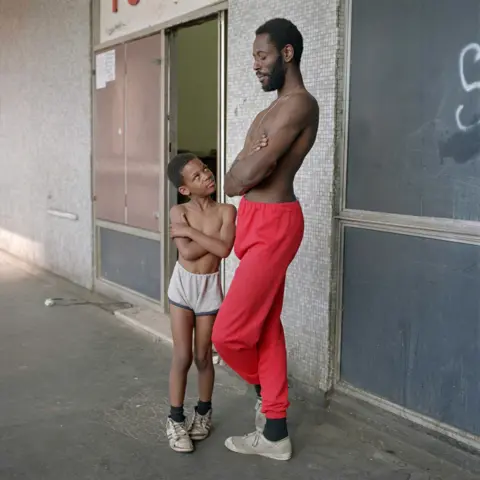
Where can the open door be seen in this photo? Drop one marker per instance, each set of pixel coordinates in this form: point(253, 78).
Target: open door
point(196, 103)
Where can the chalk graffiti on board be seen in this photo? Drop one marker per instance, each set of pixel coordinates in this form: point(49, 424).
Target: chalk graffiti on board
point(467, 86)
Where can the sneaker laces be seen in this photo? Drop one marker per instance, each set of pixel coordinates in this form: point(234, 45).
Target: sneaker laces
point(199, 420)
point(255, 436)
point(179, 429)
point(203, 420)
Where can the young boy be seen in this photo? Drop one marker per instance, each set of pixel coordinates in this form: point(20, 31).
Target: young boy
point(204, 232)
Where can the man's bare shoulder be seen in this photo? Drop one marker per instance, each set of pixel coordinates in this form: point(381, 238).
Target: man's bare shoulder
point(304, 103)
point(300, 108)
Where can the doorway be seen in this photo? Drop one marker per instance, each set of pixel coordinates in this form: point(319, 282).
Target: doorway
point(196, 90)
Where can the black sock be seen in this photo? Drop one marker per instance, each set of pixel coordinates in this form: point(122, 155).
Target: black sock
point(203, 407)
point(176, 414)
point(275, 429)
point(258, 389)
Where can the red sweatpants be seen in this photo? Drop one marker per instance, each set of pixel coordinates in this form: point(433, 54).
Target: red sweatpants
point(248, 333)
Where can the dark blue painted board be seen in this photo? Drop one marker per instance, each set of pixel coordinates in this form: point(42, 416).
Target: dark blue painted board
point(131, 261)
point(411, 323)
point(406, 153)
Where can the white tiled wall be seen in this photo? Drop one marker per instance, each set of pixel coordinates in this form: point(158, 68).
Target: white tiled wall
point(306, 309)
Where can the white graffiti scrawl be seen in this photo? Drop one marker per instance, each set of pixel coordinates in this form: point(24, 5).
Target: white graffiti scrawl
point(468, 87)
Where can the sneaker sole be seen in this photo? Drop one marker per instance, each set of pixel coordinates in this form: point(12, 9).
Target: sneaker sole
point(198, 438)
point(182, 450)
point(283, 457)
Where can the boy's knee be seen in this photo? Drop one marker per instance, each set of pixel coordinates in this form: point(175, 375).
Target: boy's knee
point(182, 359)
point(203, 360)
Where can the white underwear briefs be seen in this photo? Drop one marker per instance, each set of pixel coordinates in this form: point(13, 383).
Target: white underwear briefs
point(200, 293)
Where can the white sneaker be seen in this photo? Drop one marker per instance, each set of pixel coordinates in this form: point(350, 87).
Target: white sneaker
point(200, 426)
point(178, 437)
point(260, 419)
point(256, 444)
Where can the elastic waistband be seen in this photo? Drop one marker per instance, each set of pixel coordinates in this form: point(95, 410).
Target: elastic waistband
point(184, 270)
point(284, 206)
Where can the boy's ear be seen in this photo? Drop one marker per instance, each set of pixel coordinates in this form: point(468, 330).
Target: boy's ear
point(184, 190)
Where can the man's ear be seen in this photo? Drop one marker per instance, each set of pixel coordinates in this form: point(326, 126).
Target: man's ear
point(288, 53)
point(184, 191)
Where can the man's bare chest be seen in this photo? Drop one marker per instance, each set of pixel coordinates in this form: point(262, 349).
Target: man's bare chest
point(260, 125)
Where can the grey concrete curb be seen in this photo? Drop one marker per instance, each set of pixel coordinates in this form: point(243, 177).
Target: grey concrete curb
point(139, 326)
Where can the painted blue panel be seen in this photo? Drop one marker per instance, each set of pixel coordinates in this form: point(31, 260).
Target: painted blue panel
point(131, 262)
point(407, 153)
point(411, 323)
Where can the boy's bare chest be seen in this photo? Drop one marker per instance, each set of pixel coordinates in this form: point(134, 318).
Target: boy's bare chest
point(209, 223)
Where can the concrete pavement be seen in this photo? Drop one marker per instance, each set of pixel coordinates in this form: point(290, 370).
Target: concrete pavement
point(83, 396)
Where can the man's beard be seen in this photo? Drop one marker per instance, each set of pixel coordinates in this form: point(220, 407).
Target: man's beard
point(276, 78)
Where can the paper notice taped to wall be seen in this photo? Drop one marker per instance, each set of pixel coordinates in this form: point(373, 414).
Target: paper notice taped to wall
point(100, 81)
point(109, 65)
point(104, 68)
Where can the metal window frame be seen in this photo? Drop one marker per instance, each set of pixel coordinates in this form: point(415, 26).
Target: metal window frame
point(460, 231)
point(124, 228)
point(95, 25)
point(218, 9)
point(222, 117)
point(341, 198)
point(435, 226)
point(136, 232)
point(171, 147)
point(171, 132)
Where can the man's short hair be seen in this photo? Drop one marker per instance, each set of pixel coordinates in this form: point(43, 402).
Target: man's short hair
point(176, 166)
point(283, 32)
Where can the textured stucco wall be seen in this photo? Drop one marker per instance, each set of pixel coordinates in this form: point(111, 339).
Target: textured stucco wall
point(306, 314)
point(45, 144)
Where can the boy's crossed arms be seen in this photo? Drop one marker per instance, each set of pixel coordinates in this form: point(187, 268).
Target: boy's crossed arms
point(193, 244)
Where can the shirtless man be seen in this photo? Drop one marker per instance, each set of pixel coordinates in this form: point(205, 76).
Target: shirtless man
point(248, 332)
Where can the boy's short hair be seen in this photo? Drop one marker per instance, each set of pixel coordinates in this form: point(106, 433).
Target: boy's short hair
point(176, 166)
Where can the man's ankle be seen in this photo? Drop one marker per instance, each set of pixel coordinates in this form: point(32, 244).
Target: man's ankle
point(275, 429)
